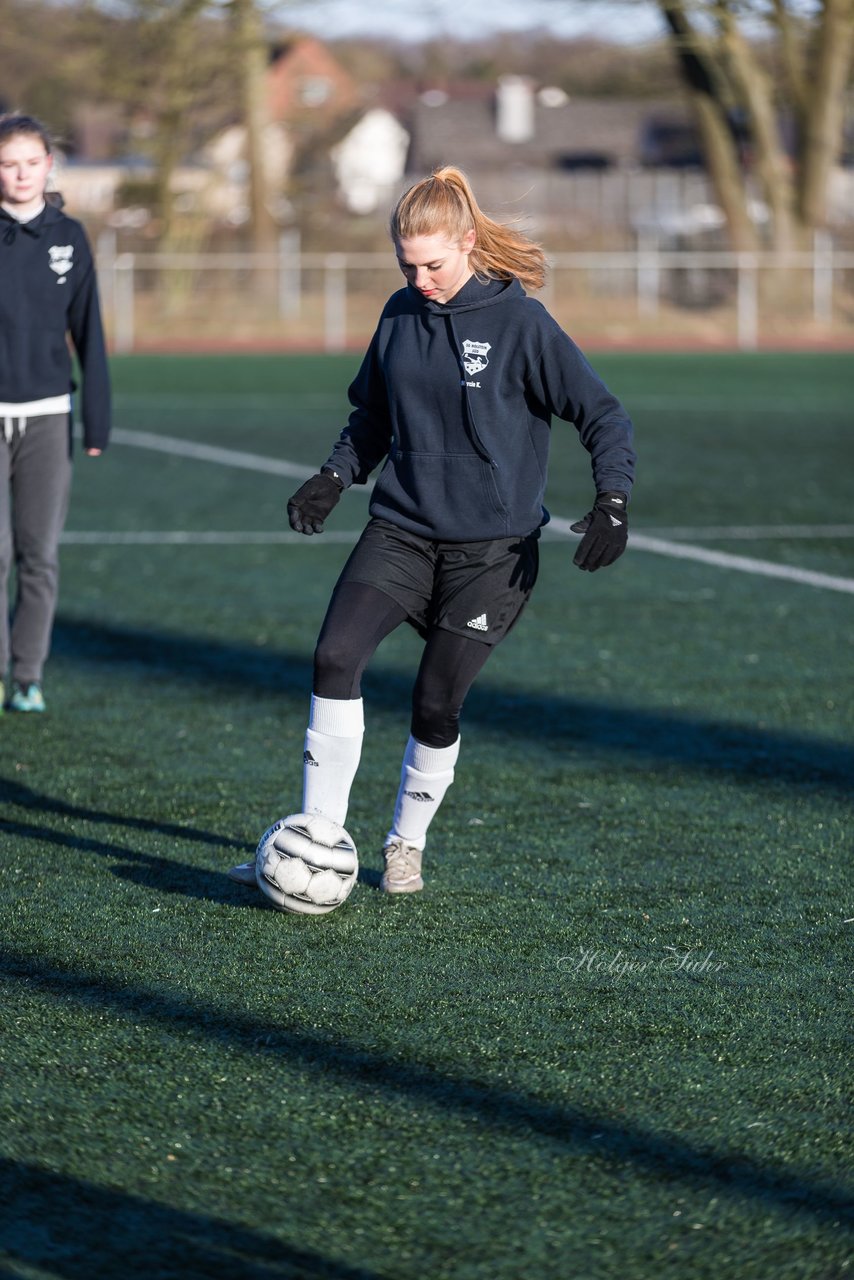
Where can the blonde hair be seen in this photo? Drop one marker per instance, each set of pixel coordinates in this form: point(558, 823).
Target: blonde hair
point(446, 202)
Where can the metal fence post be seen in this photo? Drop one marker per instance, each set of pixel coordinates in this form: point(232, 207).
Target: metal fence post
point(335, 301)
point(123, 301)
point(290, 276)
point(105, 256)
point(748, 301)
point(648, 276)
point(822, 277)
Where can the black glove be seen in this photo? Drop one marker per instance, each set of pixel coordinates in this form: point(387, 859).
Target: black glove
point(606, 532)
point(311, 503)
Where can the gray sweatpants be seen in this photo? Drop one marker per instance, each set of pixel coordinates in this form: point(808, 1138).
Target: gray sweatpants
point(35, 482)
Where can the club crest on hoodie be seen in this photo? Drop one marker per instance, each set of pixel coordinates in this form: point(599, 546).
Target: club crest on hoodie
point(475, 356)
point(61, 260)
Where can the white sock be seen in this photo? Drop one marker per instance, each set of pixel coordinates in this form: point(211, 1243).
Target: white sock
point(333, 748)
point(425, 777)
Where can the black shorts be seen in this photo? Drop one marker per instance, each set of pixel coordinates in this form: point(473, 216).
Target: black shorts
point(474, 589)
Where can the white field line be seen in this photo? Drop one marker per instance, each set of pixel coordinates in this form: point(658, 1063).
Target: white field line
point(260, 537)
point(211, 453)
point(663, 404)
point(752, 532)
point(638, 541)
point(723, 560)
point(199, 538)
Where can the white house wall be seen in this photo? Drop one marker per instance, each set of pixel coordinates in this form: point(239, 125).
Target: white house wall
point(370, 161)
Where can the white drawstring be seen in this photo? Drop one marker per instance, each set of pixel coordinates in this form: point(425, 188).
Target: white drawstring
point(9, 428)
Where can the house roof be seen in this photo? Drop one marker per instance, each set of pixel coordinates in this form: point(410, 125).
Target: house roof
point(304, 79)
point(463, 131)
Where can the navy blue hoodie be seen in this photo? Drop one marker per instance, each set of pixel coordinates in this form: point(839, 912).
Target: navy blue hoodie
point(48, 290)
point(458, 397)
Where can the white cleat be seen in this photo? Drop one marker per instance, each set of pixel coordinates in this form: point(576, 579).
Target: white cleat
point(402, 868)
point(244, 873)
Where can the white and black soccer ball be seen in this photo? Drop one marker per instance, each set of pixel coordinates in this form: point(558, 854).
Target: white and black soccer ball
point(306, 864)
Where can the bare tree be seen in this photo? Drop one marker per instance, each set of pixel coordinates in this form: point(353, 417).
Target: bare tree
point(251, 49)
point(791, 81)
point(164, 66)
point(173, 41)
point(188, 68)
point(244, 45)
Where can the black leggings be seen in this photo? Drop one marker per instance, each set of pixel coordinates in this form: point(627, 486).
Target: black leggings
point(357, 619)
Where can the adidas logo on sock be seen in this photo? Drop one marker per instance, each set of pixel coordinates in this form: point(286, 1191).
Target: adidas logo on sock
point(308, 758)
point(418, 795)
point(479, 624)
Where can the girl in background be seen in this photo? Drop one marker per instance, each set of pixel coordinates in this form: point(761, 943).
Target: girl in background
point(47, 292)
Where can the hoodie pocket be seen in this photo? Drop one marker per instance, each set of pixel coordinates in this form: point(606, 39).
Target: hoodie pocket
point(456, 494)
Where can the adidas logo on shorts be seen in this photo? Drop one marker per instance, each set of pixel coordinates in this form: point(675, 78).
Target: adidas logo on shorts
point(309, 759)
point(479, 624)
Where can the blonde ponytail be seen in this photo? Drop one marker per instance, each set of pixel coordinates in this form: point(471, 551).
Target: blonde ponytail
point(445, 203)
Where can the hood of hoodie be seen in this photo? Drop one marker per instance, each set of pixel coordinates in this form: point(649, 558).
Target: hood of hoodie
point(50, 214)
point(474, 295)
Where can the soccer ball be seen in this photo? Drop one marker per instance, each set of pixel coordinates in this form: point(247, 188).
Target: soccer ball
point(306, 864)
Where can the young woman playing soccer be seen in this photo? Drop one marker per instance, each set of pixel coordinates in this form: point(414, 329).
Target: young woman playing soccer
point(456, 393)
point(48, 291)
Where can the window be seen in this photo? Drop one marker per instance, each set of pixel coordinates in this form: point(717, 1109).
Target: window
point(313, 91)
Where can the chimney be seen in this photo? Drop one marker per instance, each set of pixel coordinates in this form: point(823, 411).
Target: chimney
point(514, 116)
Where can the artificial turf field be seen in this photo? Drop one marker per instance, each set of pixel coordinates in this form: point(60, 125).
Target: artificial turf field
point(612, 1037)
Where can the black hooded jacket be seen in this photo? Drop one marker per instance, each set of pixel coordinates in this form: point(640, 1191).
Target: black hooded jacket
point(48, 290)
point(458, 398)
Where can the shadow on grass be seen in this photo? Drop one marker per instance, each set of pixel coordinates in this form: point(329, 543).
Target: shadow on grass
point(163, 874)
point(77, 1229)
point(17, 793)
point(571, 723)
point(166, 875)
point(600, 1137)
